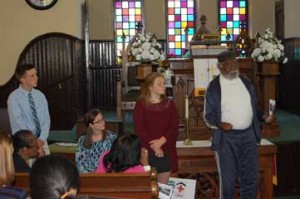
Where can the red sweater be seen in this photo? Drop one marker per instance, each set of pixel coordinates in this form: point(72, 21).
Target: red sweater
point(155, 120)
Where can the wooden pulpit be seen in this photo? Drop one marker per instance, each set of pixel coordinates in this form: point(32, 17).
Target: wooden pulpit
point(142, 70)
point(268, 72)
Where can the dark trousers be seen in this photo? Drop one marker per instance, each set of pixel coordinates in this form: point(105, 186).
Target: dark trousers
point(237, 158)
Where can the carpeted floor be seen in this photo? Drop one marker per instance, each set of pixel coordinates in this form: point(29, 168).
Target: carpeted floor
point(289, 125)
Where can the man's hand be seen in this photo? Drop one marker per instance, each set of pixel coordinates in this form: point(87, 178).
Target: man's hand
point(269, 118)
point(225, 126)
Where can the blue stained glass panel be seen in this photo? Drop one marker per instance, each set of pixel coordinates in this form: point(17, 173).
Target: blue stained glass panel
point(177, 24)
point(190, 18)
point(242, 4)
point(236, 24)
point(223, 18)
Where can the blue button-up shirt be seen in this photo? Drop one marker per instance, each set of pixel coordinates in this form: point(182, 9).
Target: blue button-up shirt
point(20, 115)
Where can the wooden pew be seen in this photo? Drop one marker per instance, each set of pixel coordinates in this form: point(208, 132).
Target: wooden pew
point(124, 185)
point(116, 185)
point(22, 181)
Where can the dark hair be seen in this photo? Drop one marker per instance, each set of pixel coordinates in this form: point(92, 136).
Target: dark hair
point(226, 55)
point(52, 176)
point(90, 116)
point(149, 80)
point(88, 119)
point(20, 139)
point(125, 152)
point(21, 70)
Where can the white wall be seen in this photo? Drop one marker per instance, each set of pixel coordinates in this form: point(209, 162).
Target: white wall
point(21, 23)
point(291, 17)
point(261, 16)
point(101, 19)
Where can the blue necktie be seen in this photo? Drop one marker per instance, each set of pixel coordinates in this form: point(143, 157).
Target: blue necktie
point(35, 117)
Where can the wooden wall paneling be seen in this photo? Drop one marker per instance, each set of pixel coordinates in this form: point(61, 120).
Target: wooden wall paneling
point(289, 84)
point(59, 60)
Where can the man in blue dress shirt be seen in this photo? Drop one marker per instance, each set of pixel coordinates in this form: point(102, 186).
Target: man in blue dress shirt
point(28, 107)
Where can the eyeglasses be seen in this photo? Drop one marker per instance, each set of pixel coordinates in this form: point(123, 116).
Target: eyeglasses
point(99, 121)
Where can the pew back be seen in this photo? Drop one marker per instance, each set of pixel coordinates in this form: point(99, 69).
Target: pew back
point(117, 185)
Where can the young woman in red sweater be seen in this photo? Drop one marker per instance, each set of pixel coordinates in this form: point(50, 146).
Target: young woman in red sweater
point(156, 122)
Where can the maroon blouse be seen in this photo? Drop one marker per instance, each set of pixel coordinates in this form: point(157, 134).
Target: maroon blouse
point(155, 120)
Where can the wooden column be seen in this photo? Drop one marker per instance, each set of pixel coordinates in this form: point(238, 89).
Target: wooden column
point(267, 74)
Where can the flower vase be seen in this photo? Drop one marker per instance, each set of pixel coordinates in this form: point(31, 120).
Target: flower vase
point(145, 62)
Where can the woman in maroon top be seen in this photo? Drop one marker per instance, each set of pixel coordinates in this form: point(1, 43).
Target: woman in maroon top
point(156, 122)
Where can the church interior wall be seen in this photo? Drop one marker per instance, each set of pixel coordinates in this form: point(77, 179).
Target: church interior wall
point(20, 23)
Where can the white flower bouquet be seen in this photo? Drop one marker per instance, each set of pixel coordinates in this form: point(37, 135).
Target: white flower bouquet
point(146, 49)
point(269, 48)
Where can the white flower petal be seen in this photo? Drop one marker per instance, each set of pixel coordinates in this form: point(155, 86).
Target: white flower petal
point(269, 48)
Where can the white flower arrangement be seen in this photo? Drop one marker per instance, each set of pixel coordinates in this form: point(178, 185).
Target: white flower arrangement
point(145, 48)
point(269, 48)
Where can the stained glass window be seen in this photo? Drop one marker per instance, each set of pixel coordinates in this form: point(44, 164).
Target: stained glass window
point(181, 14)
point(127, 14)
point(232, 14)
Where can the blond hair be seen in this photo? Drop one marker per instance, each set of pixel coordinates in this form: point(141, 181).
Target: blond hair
point(7, 170)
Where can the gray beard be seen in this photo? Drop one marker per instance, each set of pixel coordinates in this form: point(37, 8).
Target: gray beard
point(232, 75)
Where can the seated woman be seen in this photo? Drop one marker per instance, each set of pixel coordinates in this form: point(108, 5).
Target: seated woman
point(7, 171)
point(125, 155)
point(94, 143)
point(25, 148)
point(54, 177)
